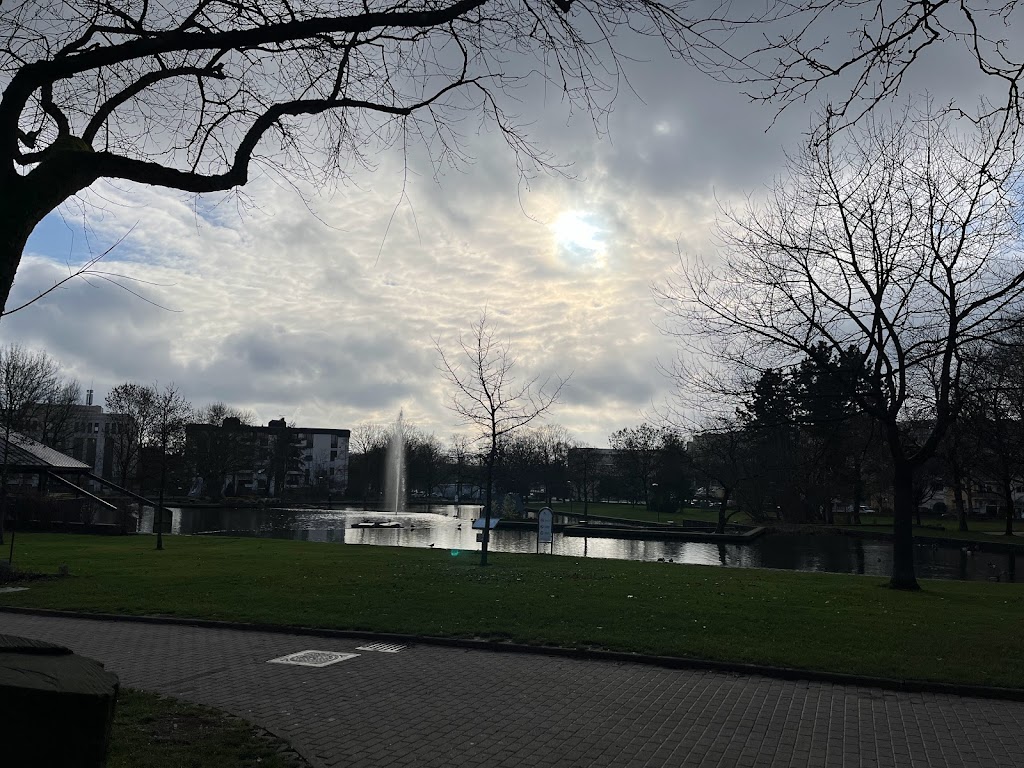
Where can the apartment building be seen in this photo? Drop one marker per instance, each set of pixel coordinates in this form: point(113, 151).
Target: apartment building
point(246, 459)
point(85, 432)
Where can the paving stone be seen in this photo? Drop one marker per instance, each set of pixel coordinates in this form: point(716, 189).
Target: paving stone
point(448, 707)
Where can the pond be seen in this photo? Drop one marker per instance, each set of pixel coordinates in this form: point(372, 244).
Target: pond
point(450, 527)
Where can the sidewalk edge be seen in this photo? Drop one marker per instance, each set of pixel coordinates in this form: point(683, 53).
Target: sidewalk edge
point(480, 644)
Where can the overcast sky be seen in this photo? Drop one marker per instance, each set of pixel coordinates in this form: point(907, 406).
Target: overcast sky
point(325, 312)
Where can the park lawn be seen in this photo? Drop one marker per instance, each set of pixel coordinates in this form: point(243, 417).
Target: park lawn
point(152, 731)
point(963, 632)
point(947, 524)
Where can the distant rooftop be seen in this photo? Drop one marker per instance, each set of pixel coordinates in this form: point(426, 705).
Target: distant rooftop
point(273, 427)
point(24, 453)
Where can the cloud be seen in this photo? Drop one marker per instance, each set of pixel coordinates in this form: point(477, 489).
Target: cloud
point(323, 305)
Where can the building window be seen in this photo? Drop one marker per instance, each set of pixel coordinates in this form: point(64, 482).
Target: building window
point(334, 441)
point(334, 456)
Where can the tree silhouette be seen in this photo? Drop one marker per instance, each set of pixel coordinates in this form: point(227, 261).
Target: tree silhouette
point(487, 396)
point(27, 377)
point(171, 412)
point(902, 242)
point(639, 453)
point(203, 95)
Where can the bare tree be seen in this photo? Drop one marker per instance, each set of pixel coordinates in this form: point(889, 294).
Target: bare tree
point(958, 465)
point(216, 413)
point(899, 246)
point(217, 448)
point(135, 404)
point(201, 95)
point(487, 396)
point(171, 412)
point(862, 51)
point(461, 455)
point(368, 445)
point(368, 436)
point(26, 378)
point(196, 95)
point(997, 411)
point(284, 456)
point(551, 445)
point(35, 400)
point(639, 449)
point(425, 454)
point(585, 470)
point(54, 412)
point(90, 270)
point(720, 452)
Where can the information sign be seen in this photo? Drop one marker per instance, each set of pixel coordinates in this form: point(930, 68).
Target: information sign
point(544, 519)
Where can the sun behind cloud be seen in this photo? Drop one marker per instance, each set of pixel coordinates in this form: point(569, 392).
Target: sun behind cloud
point(578, 233)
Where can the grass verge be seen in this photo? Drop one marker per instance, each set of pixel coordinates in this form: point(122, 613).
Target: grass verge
point(152, 731)
point(960, 632)
point(943, 533)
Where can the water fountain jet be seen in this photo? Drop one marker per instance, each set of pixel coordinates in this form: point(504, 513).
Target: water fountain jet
point(394, 479)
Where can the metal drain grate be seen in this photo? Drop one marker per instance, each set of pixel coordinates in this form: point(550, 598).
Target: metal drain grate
point(381, 647)
point(313, 658)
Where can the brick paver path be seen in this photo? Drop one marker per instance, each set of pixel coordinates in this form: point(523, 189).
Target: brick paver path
point(435, 706)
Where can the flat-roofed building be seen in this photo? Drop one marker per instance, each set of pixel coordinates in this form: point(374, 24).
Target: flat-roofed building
point(84, 432)
point(247, 459)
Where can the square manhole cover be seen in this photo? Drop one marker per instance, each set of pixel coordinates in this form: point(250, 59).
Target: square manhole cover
point(381, 647)
point(313, 658)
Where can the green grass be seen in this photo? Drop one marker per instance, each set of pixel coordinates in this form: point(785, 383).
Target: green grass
point(968, 632)
point(947, 524)
point(152, 731)
point(946, 528)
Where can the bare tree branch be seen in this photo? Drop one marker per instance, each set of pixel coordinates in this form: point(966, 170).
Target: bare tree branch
point(487, 395)
point(898, 248)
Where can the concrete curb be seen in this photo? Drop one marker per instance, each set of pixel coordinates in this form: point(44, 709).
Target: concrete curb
point(667, 662)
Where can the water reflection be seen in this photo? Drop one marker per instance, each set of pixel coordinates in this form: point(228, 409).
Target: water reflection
point(449, 527)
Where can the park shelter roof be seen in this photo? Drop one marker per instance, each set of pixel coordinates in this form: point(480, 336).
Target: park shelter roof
point(26, 455)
